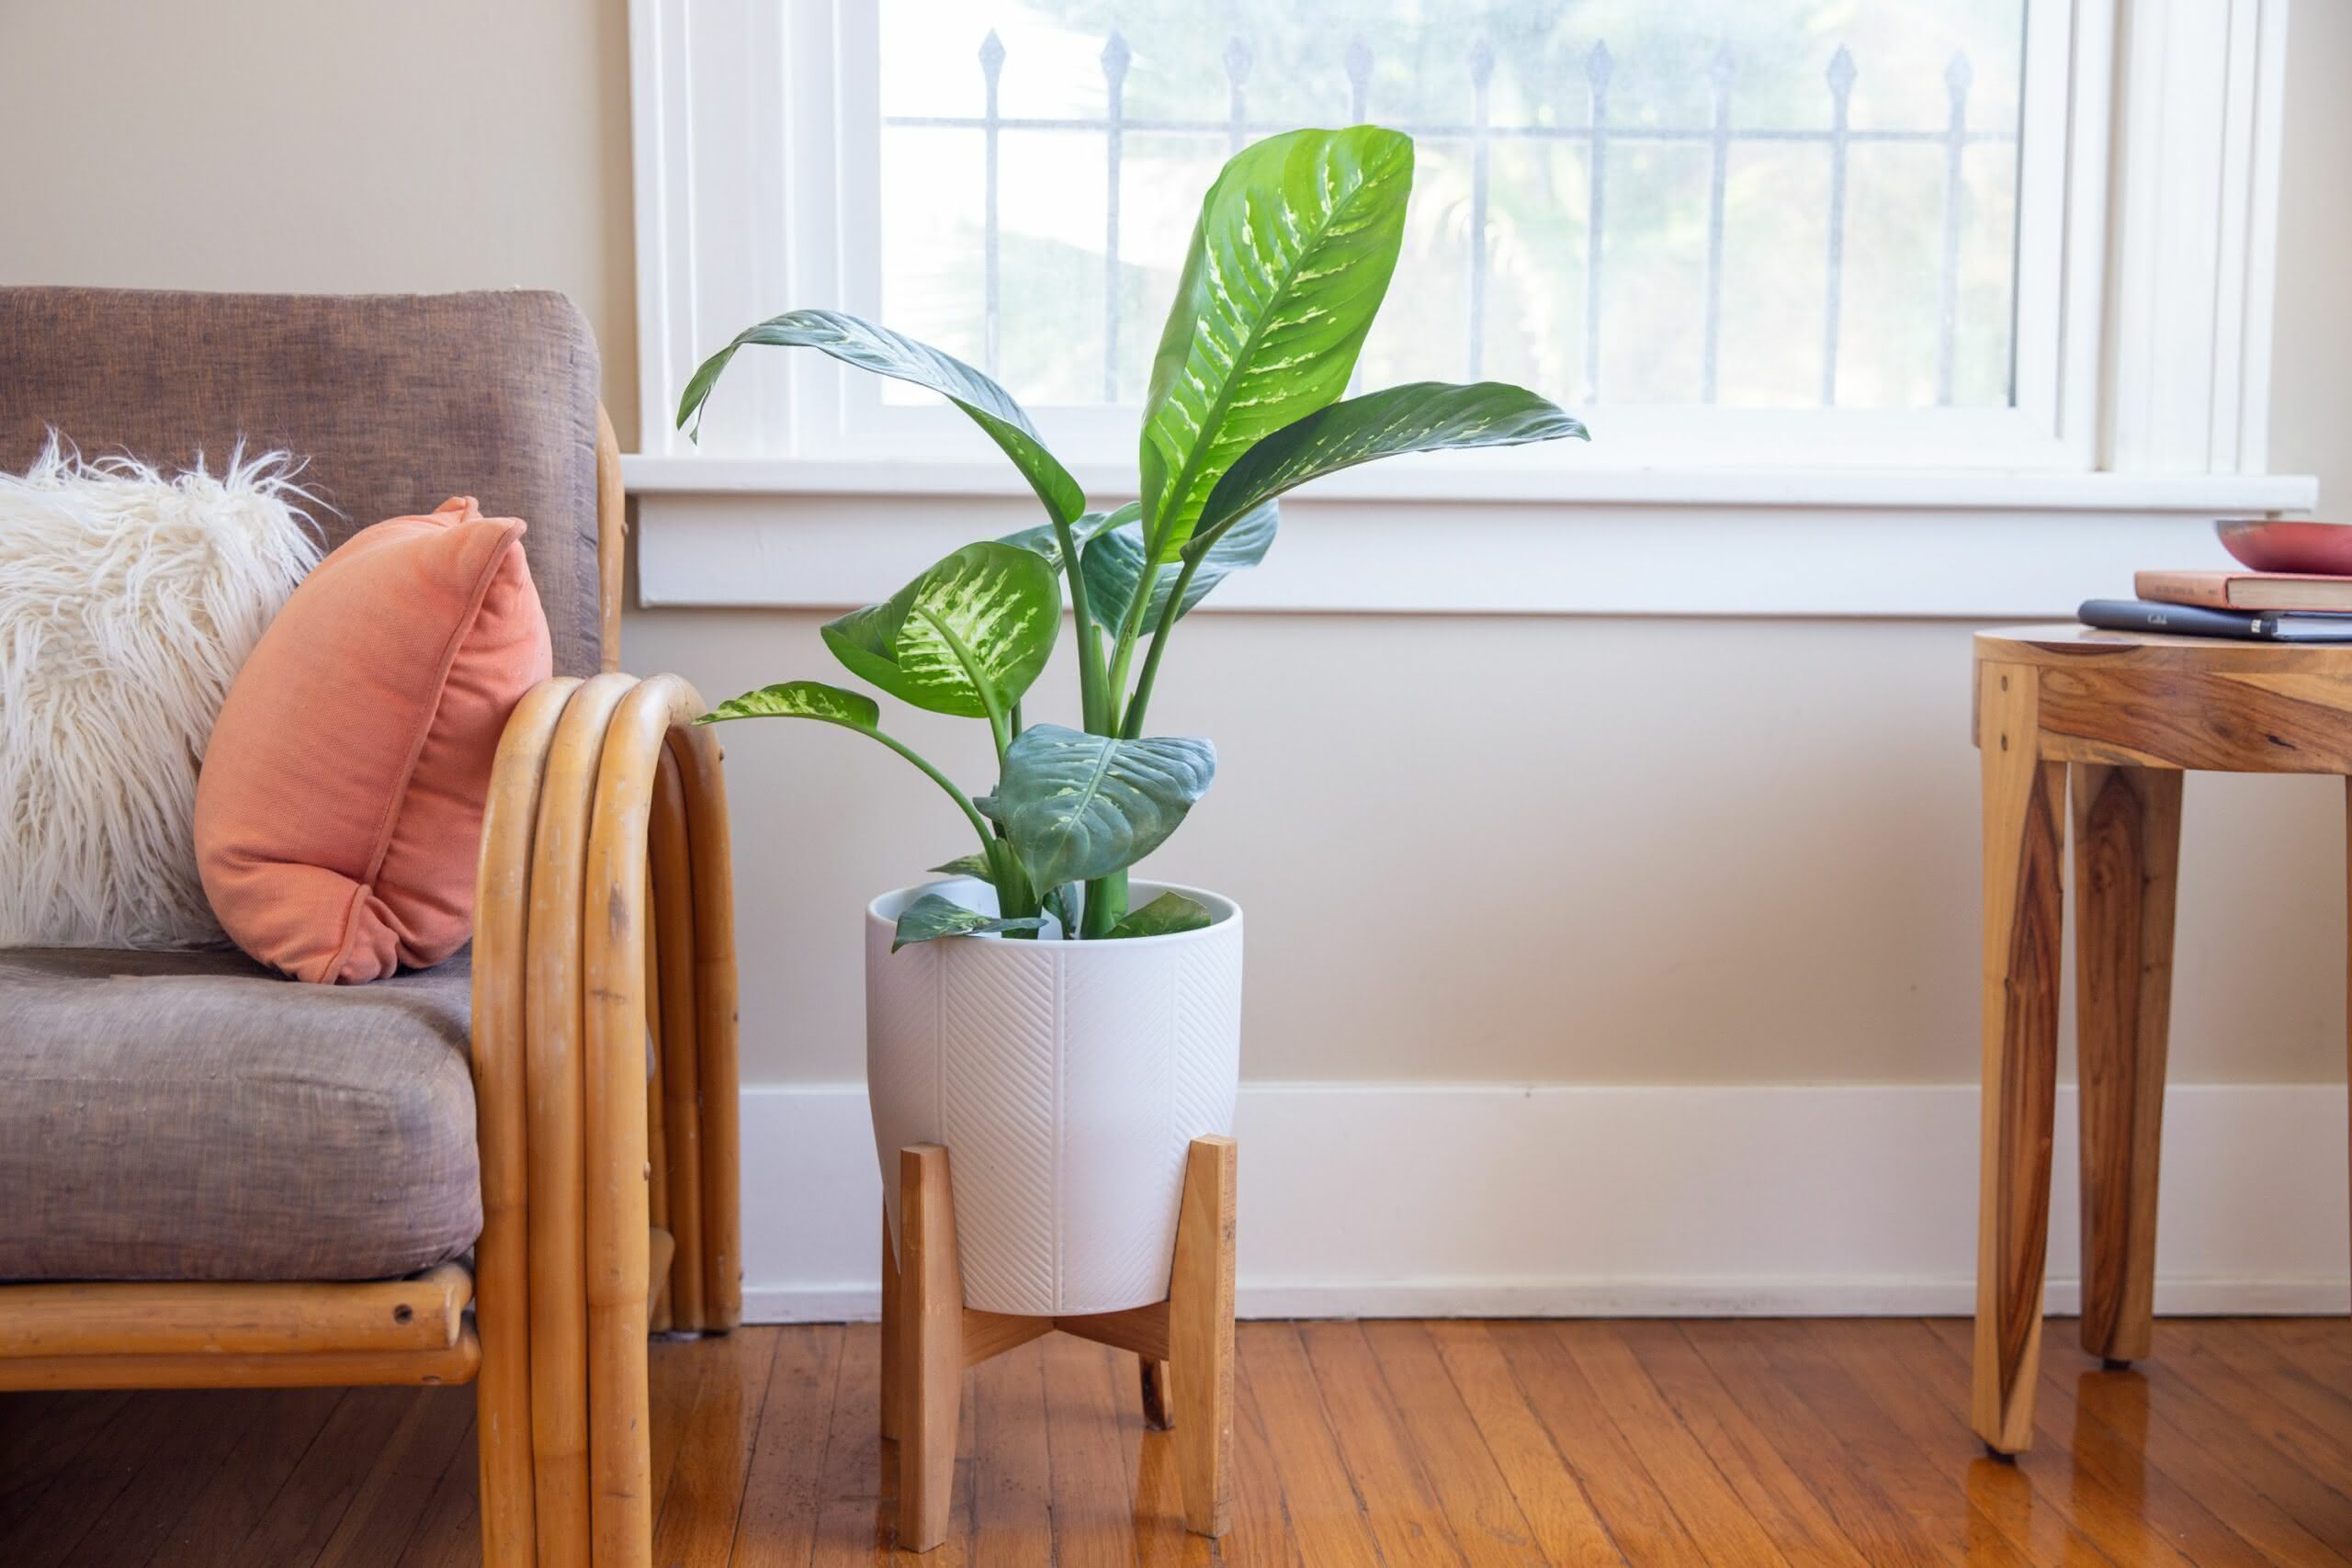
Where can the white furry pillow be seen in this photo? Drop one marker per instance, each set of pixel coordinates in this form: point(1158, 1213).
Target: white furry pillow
point(127, 602)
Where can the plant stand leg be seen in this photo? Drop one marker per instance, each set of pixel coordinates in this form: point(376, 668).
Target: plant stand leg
point(1159, 1412)
point(1200, 1335)
point(892, 1394)
point(931, 1346)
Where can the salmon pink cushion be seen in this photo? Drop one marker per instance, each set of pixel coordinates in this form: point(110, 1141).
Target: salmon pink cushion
point(339, 810)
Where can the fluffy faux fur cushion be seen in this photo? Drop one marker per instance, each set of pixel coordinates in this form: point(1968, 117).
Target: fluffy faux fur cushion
point(128, 599)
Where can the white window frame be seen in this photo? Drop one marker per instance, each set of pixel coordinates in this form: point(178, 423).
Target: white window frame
point(2146, 255)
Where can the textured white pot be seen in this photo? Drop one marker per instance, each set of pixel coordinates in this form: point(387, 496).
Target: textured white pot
point(1066, 1080)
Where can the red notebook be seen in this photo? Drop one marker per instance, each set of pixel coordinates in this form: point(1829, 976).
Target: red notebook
point(2246, 590)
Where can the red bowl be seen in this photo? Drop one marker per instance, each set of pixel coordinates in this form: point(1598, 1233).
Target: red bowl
point(2269, 544)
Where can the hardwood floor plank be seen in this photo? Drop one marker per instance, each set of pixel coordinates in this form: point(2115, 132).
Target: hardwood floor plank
point(1693, 1485)
point(1012, 1516)
point(1261, 1528)
point(1559, 1510)
point(711, 1463)
point(2121, 1402)
point(42, 1436)
point(777, 1527)
point(1327, 1517)
point(1641, 1522)
point(389, 1504)
point(1488, 1524)
point(1894, 1508)
point(1409, 1526)
point(1783, 1506)
point(855, 1494)
point(131, 1527)
point(1841, 1443)
point(144, 1431)
point(2099, 1475)
point(310, 1507)
point(449, 1533)
point(1916, 1384)
point(271, 1445)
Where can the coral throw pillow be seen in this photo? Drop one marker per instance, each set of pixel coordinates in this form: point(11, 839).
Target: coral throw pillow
point(339, 811)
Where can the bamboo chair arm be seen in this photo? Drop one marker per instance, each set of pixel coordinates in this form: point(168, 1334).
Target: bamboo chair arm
point(606, 806)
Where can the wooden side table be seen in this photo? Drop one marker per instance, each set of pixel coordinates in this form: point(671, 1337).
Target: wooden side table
point(2113, 720)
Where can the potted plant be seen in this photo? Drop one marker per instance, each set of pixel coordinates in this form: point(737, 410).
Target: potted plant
point(1065, 1032)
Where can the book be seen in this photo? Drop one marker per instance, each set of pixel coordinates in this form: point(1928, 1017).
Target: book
point(2191, 620)
point(2246, 590)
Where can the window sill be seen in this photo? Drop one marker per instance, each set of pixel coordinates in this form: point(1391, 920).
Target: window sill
point(1518, 539)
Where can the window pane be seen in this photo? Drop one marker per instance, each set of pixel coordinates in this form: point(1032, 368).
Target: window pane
point(1757, 203)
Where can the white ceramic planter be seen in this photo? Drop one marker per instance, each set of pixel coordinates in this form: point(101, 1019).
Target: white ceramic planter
point(1066, 1080)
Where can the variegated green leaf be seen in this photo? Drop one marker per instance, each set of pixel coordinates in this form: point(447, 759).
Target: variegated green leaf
point(1420, 416)
point(966, 865)
point(1113, 563)
point(1077, 806)
point(931, 917)
point(886, 353)
point(1164, 916)
point(1288, 264)
point(967, 637)
point(1043, 539)
point(800, 699)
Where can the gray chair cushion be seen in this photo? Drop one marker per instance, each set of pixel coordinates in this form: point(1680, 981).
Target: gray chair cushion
point(398, 400)
point(190, 1116)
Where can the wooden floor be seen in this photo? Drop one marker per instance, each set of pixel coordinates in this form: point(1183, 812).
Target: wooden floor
point(1397, 1443)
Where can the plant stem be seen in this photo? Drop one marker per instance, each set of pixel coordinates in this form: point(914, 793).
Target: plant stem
point(963, 801)
point(1106, 904)
point(1089, 650)
point(1132, 726)
point(1130, 629)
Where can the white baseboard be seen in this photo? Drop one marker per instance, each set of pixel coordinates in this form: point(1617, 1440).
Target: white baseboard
point(1449, 1199)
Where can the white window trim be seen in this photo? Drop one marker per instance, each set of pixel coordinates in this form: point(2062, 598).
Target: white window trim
point(2151, 420)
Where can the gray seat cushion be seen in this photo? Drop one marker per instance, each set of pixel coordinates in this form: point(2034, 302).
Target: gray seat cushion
point(191, 1116)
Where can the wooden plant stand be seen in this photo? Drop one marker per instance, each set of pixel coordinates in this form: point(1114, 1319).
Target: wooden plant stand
point(929, 1338)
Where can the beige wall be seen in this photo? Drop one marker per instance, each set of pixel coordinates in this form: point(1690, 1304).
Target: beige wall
point(1582, 850)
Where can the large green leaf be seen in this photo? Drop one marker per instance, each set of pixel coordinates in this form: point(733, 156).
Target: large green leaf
point(800, 699)
point(1164, 916)
point(1043, 538)
point(1420, 416)
point(1289, 260)
point(886, 353)
point(966, 638)
point(930, 917)
point(1113, 564)
point(1077, 806)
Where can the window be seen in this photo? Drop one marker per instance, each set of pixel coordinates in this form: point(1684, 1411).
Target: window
point(1819, 261)
point(1783, 204)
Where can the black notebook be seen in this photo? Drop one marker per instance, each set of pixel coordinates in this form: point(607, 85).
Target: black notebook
point(2188, 620)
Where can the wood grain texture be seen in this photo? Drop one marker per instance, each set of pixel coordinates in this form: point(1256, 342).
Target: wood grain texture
point(2183, 702)
point(2127, 874)
point(2023, 795)
point(1393, 1444)
point(931, 1346)
point(165, 1319)
point(302, 1369)
point(680, 1108)
point(1200, 1333)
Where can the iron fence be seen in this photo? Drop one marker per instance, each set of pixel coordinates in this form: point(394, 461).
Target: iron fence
point(1598, 134)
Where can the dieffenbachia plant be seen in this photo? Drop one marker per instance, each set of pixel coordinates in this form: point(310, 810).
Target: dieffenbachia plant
point(1289, 262)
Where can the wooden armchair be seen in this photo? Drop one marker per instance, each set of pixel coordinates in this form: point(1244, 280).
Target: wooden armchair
point(174, 1219)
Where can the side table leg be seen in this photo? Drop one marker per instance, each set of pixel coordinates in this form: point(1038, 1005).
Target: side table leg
point(2023, 797)
point(2127, 860)
point(931, 1346)
point(1200, 1335)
